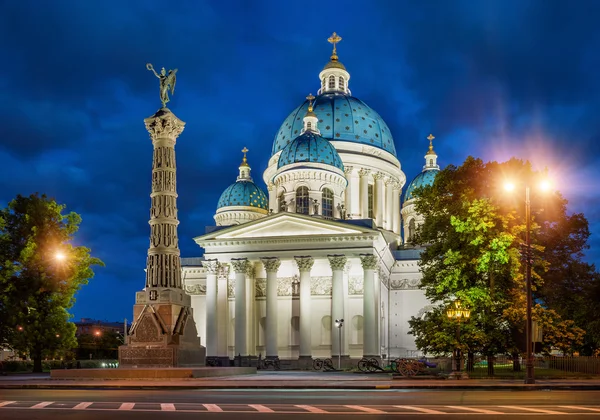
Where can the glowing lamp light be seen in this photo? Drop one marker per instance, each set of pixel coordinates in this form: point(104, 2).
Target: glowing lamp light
point(456, 311)
point(509, 186)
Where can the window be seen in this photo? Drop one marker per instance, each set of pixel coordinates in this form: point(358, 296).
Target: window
point(332, 82)
point(308, 126)
point(342, 83)
point(370, 200)
point(323, 83)
point(302, 200)
point(327, 203)
point(411, 230)
point(430, 162)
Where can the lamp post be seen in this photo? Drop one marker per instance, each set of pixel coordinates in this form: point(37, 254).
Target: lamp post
point(528, 257)
point(339, 323)
point(456, 311)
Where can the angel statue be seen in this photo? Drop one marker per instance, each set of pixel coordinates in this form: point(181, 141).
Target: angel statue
point(166, 81)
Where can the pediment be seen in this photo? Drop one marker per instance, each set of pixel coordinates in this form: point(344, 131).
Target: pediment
point(285, 225)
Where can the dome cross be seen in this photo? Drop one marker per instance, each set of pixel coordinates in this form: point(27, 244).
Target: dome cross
point(310, 98)
point(334, 39)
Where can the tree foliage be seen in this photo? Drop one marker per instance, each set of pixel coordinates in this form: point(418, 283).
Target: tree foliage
point(472, 235)
point(36, 288)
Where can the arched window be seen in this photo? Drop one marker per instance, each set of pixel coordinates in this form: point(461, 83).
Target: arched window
point(342, 83)
point(302, 200)
point(331, 82)
point(430, 162)
point(308, 126)
point(411, 230)
point(323, 83)
point(327, 203)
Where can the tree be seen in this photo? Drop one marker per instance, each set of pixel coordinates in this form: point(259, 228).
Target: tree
point(36, 287)
point(472, 237)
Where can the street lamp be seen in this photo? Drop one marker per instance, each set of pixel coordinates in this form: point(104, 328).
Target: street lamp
point(339, 323)
point(456, 311)
point(527, 253)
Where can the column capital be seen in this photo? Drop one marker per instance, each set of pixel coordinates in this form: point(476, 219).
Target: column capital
point(362, 172)
point(390, 182)
point(212, 266)
point(223, 272)
point(271, 264)
point(397, 185)
point(337, 262)
point(304, 263)
point(348, 170)
point(270, 186)
point(240, 265)
point(378, 175)
point(368, 261)
point(164, 124)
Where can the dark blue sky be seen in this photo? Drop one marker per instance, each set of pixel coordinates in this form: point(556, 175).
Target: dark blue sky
point(493, 79)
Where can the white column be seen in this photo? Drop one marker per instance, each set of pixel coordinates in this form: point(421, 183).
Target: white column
point(251, 315)
point(212, 339)
point(222, 310)
point(370, 312)
point(337, 263)
point(304, 266)
point(388, 222)
point(379, 196)
point(364, 193)
point(396, 209)
point(273, 205)
point(348, 192)
point(240, 266)
point(271, 267)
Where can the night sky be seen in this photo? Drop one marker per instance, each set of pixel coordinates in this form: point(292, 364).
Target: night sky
point(492, 79)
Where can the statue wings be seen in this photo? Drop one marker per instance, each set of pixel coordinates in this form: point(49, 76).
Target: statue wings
point(171, 78)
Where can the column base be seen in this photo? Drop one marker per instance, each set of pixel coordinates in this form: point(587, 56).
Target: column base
point(458, 375)
point(305, 362)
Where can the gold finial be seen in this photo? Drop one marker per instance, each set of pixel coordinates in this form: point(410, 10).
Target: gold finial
point(334, 39)
point(310, 98)
point(430, 138)
point(244, 160)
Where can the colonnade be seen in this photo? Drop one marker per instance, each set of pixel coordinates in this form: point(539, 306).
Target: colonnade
point(216, 313)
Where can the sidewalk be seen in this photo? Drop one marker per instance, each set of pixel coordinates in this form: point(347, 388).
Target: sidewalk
point(294, 380)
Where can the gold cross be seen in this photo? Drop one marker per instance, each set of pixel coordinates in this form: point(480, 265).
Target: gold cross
point(334, 39)
point(430, 138)
point(244, 151)
point(310, 98)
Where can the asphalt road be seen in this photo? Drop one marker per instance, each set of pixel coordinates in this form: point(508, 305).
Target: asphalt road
point(99, 404)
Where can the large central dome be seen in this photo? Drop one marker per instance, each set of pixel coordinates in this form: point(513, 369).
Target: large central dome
point(341, 118)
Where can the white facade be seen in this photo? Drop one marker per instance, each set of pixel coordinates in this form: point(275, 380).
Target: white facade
point(273, 282)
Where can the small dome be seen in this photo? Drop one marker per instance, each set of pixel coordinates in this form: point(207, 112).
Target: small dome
point(425, 178)
point(334, 65)
point(341, 118)
point(243, 193)
point(310, 147)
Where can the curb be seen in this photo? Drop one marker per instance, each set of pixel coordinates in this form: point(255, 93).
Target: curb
point(516, 387)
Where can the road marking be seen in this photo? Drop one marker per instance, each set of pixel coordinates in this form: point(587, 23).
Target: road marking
point(421, 409)
point(213, 407)
point(597, 410)
point(534, 410)
point(167, 407)
point(312, 409)
point(82, 406)
point(261, 408)
point(126, 406)
point(476, 410)
point(365, 409)
point(42, 404)
point(3, 403)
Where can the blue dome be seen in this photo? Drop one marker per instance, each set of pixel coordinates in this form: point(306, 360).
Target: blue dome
point(425, 178)
point(341, 118)
point(243, 193)
point(310, 147)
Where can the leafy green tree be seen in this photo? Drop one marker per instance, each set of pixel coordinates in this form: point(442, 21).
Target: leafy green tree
point(472, 236)
point(36, 286)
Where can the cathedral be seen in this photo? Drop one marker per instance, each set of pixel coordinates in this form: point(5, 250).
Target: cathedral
point(318, 264)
